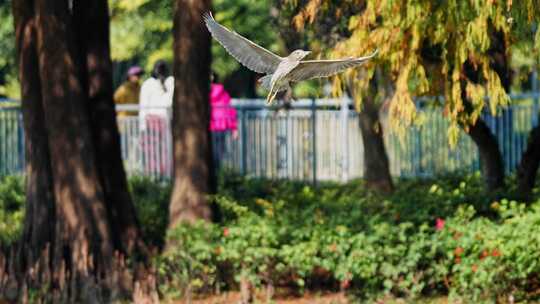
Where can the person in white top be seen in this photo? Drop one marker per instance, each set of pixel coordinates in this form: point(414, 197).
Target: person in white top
point(155, 115)
point(156, 95)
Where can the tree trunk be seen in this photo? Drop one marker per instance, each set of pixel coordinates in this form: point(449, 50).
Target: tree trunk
point(191, 114)
point(376, 167)
point(528, 166)
point(92, 27)
point(40, 214)
point(490, 154)
point(491, 161)
point(79, 211)
point(82, 232)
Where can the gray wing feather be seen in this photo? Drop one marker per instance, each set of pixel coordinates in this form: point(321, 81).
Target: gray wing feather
point(309, 69)
point(249, 54)
point(266, 82)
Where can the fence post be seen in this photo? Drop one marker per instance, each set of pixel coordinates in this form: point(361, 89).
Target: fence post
point(344, 113)
point(314, 139)
point(22, 156)
point(243, 143)
point(418, 150)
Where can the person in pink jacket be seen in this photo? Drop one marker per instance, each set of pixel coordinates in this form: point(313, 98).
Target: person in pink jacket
point(223, 119)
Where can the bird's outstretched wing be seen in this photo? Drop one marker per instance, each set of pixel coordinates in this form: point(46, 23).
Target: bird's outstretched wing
point(249, 54)
point(309, 69)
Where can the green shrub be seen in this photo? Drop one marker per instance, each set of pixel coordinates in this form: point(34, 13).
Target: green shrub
point(192, 265)
point(11, 209)
point(491, 260)
point(151, 199)
point(340, 237)
point(346, 237)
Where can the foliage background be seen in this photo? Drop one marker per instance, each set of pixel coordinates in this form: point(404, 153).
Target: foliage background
point(141, 34)
point(8, 77)
point(141, 31)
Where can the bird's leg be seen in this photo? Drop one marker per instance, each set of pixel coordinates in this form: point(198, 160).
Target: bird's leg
point(271, 95)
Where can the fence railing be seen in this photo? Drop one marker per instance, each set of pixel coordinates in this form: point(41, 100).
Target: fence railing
point(311, 140)
point(11, 141)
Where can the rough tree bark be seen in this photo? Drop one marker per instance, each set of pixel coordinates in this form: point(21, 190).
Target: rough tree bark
point(376, 170)
point(82, 232)
point(191, 114)
point(492, 165)
point(491, 161)
point(376, 165)
point(91, 20)
point(79, 211)
point(40, 214)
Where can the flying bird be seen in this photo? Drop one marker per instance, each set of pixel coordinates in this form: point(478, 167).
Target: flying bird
point(280, 71)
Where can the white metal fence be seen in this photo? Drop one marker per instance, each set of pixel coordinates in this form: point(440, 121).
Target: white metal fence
point(312, 140)
point(11, 141)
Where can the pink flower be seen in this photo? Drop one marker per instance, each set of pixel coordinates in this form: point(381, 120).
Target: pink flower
point(225, 232)
point(439, 224)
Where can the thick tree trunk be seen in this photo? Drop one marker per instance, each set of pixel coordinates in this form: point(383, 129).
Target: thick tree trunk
point(40, 214)
point(191, 114)
point(376, 170)
point(92, 27)
point(82, 241)
point(76, 185)
point(528, 167)
point(492, 165)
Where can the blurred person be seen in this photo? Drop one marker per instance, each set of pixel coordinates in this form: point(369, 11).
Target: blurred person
point(223, 119)
point(128, 92)
point(156, 95)
point(155, 119)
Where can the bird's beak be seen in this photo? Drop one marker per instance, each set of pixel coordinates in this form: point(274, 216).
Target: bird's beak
point(307, 53)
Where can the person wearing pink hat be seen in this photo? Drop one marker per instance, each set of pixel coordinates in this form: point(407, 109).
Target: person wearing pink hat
point(128, 92)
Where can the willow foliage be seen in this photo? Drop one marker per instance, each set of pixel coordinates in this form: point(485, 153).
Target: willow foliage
point(423, 45)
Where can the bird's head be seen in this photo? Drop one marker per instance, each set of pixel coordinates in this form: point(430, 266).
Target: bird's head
point(299, 54)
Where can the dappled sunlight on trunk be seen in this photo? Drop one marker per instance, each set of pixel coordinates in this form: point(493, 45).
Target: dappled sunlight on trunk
point(191, 115)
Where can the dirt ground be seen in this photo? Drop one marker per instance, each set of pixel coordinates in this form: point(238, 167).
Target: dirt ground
point(313, 298)
point(234, 297)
